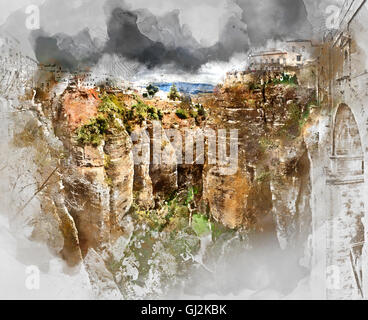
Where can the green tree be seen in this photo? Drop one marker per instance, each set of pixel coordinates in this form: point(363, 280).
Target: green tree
point(174, 94)
point(151, 90)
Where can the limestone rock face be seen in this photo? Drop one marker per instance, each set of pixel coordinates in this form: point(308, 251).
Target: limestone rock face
point(142, 185)
point(120, 173)
point(226, 196)
point(71, 251)
point(163, 169)
point(77, 107)
point(291, 207)
point(88, 201)
point(97, 180)
point(53, 224)
point(191, 167)
point(99, 189)
point(269, 186)
point(270, 149)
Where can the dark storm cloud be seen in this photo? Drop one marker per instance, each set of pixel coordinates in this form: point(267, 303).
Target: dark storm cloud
point(65, 51)
point(48, 52)
point(161, 40)
point(126, 39)
point(275, 19)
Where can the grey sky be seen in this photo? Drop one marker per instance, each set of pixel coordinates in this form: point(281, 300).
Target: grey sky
point(7, 7)
point(205, 18)
point(184, 34)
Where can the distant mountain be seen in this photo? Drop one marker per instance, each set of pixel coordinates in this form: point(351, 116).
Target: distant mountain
point(186, 87)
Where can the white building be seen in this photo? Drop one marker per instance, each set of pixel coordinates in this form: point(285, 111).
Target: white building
point(295, 53)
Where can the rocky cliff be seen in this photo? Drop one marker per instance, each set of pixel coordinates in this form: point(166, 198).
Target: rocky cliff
point(101, 196)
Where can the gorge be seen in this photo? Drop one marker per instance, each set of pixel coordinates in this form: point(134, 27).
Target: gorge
point(250, 189)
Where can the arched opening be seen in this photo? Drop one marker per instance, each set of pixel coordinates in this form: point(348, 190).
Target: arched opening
point(346, 134)
point(345, 228)
point(347, 153)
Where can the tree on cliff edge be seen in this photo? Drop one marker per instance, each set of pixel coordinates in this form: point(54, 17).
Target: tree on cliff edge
point(173, 94)
point(151, 90)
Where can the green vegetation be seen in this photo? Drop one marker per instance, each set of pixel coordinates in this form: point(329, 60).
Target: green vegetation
point(164, 244)
point(151, 90)
point(192, 191)
point(108, 181)
point(263, 176)
point(266, 143)
point(140, 112)
point(115, 115)
point(107, 161)
point(201, 110)
point(253, 86)
point(305, 115)
point(196, 111)
point(286, 79)
point(173, 94)
point(201, 225)
point(297, 117)
point(93, 132)
point(171, 214)
point(182, 114)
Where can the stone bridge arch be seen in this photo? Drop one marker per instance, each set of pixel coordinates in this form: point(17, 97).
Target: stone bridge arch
point(347, 153)
point(345, 230)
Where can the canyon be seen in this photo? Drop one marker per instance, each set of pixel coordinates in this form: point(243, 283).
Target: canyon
point(99, 199)
point(290, 221)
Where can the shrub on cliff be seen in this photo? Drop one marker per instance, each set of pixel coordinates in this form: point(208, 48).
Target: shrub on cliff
point(173, 94)
point(196, 111)
point(94, 131)
point(201, 110)
point(142, 112)
point(114, 115)
point(182, 114)
point(297, 117)
point(151, 90)
point(286, 79)
point(164, 243)
point(201, 225)
point(253, 86)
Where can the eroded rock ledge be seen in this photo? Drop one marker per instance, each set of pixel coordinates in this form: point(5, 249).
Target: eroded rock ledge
point(98, 181)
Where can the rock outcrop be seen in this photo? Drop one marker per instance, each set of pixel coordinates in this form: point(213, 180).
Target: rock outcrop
point(272, 162)
point(163, 168)
point(264, 186)
point(97, 180)
point(142, 185)
point(119, 168)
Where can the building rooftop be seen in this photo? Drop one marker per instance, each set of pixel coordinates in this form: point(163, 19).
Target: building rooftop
point(267, 53)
